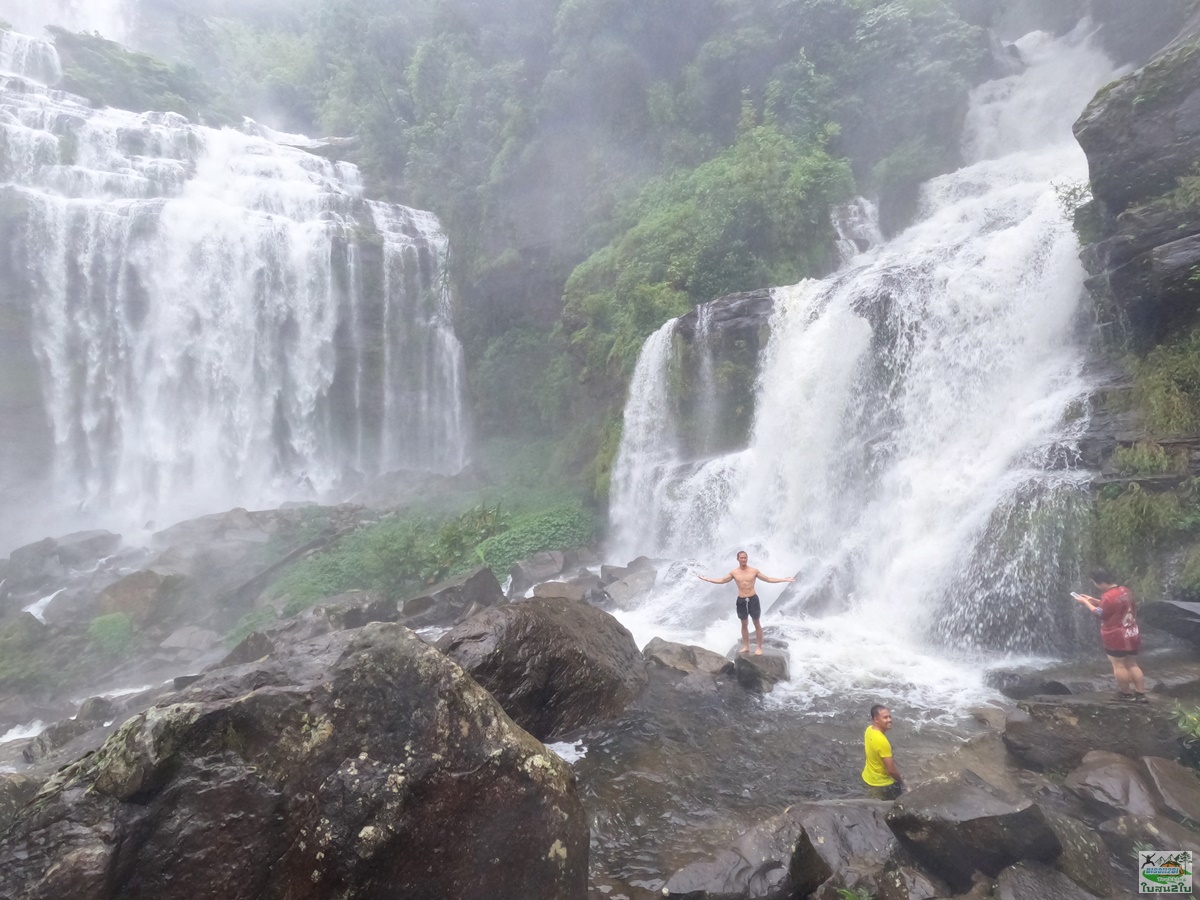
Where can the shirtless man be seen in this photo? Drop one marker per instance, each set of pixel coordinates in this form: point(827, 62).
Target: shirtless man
point(748, 605)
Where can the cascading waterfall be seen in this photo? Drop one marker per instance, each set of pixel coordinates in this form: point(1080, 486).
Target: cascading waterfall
point(910, 455)
point(218, 318)
point(110, 18)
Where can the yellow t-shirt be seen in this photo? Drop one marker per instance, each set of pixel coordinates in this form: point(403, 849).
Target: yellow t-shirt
point(878, 749)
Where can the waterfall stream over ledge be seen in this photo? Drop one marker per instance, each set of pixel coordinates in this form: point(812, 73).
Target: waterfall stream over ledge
point(197, 319)
point(911, 459)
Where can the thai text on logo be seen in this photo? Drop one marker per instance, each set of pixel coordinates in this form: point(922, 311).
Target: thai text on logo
point(1164, 872)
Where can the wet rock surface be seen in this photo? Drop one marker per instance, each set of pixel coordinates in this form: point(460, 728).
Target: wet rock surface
point(554, 665)
point(338, 770)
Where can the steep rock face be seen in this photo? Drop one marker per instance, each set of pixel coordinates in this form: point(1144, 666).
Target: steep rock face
point(361, 764)
point(1142, 135)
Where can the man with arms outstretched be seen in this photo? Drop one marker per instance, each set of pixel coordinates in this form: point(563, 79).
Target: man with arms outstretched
point(748, 605)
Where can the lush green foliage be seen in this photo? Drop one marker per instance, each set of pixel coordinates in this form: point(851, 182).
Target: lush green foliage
point(562, 528)
point(112, 634)
point(1149, 458)
point(1167, 385)
point(1135, 528)
point(255, 620)
point(109, 75)
point(1187, 720)
point(394, 557)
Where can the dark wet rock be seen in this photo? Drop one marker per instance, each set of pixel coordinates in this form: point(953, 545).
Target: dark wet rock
point(1112, 783)
point(179, 682)
point(15, 792)
point(1058, 733)
point(1026, 880)
point(685, 658)
point(554, 665)
point(1177, 617)
point(698, 683)
point(1125, 834)
point(1022, 685)
point(761, 673)
point(793, 854)
point(94, 713)
point(539, 567)
point(362, 764)
point(1084, 858)
point(83, 547)
point(559, 590)
point(454, 600)
point(354, 609)
point(31, 566)
point(901, 882)
point(192, 638)
point(627, 591)
point(1177, 788)
point(147, 597)
point(96, 709)
point(960, 824)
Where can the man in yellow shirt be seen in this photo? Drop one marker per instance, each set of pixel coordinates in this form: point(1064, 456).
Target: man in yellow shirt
point(880, 773)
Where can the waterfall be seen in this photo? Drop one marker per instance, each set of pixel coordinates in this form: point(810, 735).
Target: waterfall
point(911, 457)
point(110, 18)
point(216, 318)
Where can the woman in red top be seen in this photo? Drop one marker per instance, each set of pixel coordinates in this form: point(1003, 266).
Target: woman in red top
point(1118, 633)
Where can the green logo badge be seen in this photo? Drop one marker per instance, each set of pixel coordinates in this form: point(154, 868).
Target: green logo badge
point(1164, 872)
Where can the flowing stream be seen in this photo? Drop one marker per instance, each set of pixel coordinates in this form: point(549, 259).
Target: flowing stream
point(911, 458)
point(205, 318)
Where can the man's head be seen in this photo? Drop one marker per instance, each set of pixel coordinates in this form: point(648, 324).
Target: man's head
point(881, 717)
point(742, 557)
point(1102, 578)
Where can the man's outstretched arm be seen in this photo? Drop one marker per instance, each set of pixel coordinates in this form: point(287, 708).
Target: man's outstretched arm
point(761, 577)
point(728, 578)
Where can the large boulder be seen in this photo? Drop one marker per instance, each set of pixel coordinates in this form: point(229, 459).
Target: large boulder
point(15, 793)
point(1177, 788)
point(539, 567)
point(363, 764)
point(84, 547)
point(1056, 733)
point(1084, 858)
point(31, 566)
point(554, 665)
point(794, 854)
point(1112, 782)
point(452, 601)
point(958, 825)
point(147, 597)
point(685, 658)
point(1027, 880)
point(761, 673)
point(625, 592)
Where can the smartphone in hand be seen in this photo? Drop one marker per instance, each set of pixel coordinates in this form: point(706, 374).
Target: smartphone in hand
point(1076, 596)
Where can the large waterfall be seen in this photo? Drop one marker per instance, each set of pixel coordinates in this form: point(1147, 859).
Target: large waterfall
point(911, 455)
point(208, 318)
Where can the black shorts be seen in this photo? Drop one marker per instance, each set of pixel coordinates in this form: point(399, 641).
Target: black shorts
point(749, 606)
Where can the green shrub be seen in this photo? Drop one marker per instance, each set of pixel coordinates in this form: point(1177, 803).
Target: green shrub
point(557, 529)
point(1167, 385)
point(112, 634)
point(393, 557)
point(1149, 458)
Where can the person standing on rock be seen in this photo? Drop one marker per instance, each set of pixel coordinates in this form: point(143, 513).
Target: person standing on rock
point(1118, 633)
point(748, 605)
point(880, 773)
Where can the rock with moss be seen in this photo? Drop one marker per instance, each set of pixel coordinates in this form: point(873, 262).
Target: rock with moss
point(554, 665)
point(359, 764)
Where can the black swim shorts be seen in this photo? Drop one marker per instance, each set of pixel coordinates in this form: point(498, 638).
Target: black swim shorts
point(749, 606)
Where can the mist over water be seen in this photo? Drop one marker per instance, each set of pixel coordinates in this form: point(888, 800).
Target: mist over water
point(216, 318)
point(911, 455)
point(110, 18)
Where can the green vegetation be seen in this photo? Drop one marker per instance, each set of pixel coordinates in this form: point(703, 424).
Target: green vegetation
point(112, 634)
point(109, 75)
point(1134, 529)
point(1187, 720)
point(402, 555)
point(1149, 458)
point(1167, 385)
point(255, 620)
